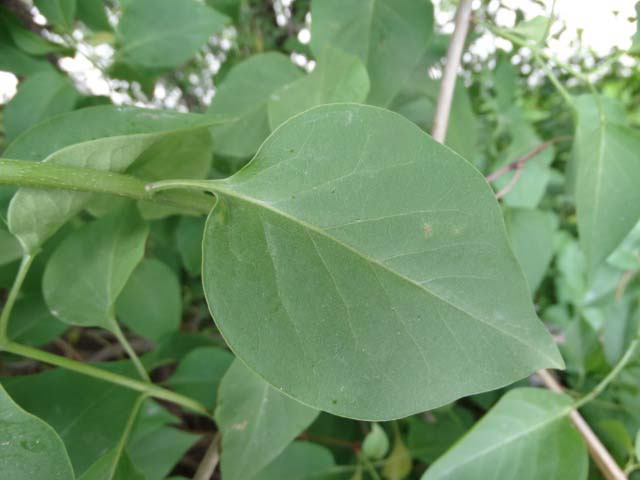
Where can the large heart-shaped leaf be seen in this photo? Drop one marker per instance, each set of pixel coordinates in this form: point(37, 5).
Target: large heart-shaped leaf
point(365, 270)
point(29, 448)
point(501, 444)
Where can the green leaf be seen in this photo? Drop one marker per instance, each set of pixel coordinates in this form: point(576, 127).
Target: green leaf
point(88, 414)
point(398, 465)
point(257, 422)
point(93, 14)
point(376, 443)
point(347, 264)
point(390, 37)
point(59, 13)
point(531, 234)
point(200, 372)
point(151, 301)
point(10, 249)
point(29, 448)
point(244, 95)
point(32, 322)
point(638, 445)
point(40, 97)
point(429, 439)
point(102, 138)
point(299, 461)
point(18, 62)
point(635, 46)
point(189, 242)
point(90, 268)
point(607, 193)
point(103, 468)
point(534, 29)
point(499, 446)
point(532, 183)
point(338, 77)
point(164, 34)
point(26, 40)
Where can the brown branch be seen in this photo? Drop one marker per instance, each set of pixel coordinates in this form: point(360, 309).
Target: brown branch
point(209, 461)
point(518, 163)
point(600, 455)
point(448, 83)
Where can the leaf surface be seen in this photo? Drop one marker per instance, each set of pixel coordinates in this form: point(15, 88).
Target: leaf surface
point(151, 301)
point(338, 77)
point(607, 193)
point(89, 269)
point(526, 436)
point(29, 448)
point(163, 34)
point(365, 270)
point(390, 37)
point(257, 422)
point(244, 95)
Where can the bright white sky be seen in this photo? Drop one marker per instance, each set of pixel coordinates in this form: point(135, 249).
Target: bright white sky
point(605, 24)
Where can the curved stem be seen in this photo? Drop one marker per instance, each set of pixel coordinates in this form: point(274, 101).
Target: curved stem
point(47, 175)
point(85, 369)
point(117, 331)
point(624, 360)
point(25, 264)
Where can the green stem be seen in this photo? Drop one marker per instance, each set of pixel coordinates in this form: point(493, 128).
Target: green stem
point(27, 260)
point(626, 358)
point(369, 467)
point(48, 175)
point(124, 438)
point(117, 331)
point(85, 369)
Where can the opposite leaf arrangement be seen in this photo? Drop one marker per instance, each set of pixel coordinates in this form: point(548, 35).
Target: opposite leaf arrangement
point(355, 268)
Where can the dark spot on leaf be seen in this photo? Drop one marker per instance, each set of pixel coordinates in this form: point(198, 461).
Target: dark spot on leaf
point(428, 231)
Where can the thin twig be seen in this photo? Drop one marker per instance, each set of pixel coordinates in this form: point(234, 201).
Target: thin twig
point(600, 455)
point(512, 183)
point(209, 461)
point(448, 83)
point(525, 158)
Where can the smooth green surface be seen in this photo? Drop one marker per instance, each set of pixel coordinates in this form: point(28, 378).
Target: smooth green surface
point(376, 443)
point(199, 373)
point(93, 13)
point(151, 301)
point(257, 422)
point(29, 448)
point(365, 270)
point(428, 439)
point(103, 468)
point(531, 235)
point(32, 322)
point(607, 193)
point(10, 249)
point(88, 414)
point(244, 96)
point(59, 13)
point(90, 268)
point(163, 34)
point(338, 77)
point(189, 243)
point(39, 97)
point(527, 435)
point(391, 37)
point(299, 461)
point(102, 138)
